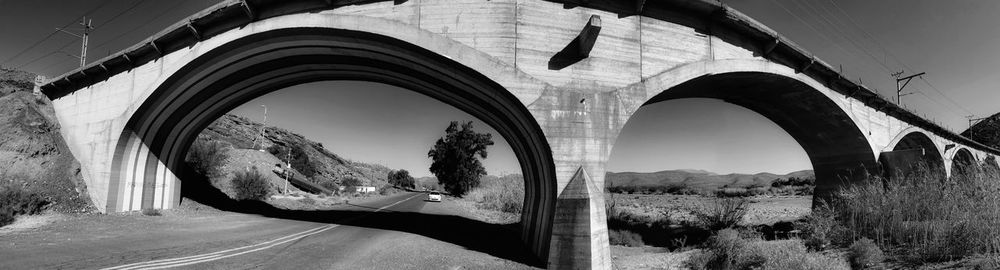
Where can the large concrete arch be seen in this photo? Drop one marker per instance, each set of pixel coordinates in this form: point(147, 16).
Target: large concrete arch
point(156, 137)
point(838, 151)
point(909, 148)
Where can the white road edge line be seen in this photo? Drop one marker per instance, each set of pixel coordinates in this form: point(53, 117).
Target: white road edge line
point(217, 252)
point(188, 260)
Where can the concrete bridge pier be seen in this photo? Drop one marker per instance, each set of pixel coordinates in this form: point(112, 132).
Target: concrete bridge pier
point(581, 128)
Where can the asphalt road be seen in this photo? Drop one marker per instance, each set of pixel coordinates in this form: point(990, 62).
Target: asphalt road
point(398, 232)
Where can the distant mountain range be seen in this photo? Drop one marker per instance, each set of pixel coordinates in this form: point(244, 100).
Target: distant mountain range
point(697, 178)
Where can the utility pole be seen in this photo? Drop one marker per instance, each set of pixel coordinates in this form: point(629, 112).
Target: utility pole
point(905, 81)
point(288, 168)
point(972, 121)
point(258, 138)
point(85, 37)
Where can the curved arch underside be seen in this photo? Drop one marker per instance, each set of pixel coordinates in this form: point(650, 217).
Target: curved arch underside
point(226, 77)
point(962, 163)
point(911, 150)
point(838, 151)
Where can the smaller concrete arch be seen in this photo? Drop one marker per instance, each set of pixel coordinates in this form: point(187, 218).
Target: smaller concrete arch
point(908, 150)
point(963, 163)
point(990, 165)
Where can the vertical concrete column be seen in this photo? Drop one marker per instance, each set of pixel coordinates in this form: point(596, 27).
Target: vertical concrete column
point(580, 232)
point(581, 129)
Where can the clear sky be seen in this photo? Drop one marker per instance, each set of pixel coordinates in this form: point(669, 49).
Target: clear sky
point(953, 41)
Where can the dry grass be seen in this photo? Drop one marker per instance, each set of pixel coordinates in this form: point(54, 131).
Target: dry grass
point(925, 217)
point(502, 194)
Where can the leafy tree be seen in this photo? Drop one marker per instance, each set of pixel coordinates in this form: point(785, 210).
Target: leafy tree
point(454, 158)
point(401, 178)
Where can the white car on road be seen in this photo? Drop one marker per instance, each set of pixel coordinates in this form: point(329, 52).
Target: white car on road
point(434, 196)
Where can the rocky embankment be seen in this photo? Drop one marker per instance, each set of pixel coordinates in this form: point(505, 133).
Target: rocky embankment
point(33, 155)
point(309, 158)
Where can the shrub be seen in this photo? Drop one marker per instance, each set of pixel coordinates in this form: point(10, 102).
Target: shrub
point(330, 185)
point(727, 250)
point(820, 229)
point(15, 201)
point(722, 213)
point(350, 184)
point(307, 200)
point(207, 157)
point(250, 185)
point(150, 212)
point(625, 238)
point(792, 254)
point(386, 190)
point(6, 216)
point(864, 254)
point(300, 160)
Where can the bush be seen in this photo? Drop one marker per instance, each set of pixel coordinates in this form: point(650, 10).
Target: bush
point(792, 254)
point(330, 185)
point(820, 229)
point(722, 213)
point(386, 190)
point(625, 238)
point(250, 185)
point(727, 250)
point(864, 254)
point(300, 160)
point(150, 212)
point(307, 200)
point(6, 216)
point(350, 184)
point(15, 201)
point(207, 157)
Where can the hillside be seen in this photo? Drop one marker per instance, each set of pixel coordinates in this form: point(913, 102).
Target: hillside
point(697, 179)
point(32, 153)
point(309, 158)
point(987, 131)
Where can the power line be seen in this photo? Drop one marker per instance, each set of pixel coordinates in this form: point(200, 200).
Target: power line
point(807, 24)
point(120, 13)
point(890, 54)
point(39, 42)
point(846, 36)
point(137, 27)
point(47, 55)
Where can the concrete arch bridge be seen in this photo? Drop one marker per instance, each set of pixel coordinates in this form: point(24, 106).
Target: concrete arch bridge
point(558, 79)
